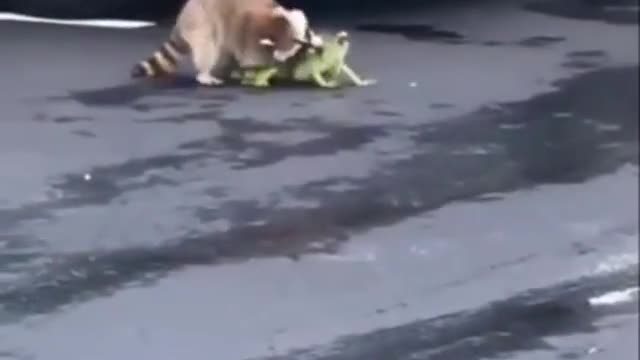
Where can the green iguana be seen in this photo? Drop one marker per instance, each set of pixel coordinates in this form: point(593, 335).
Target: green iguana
point(324, 65)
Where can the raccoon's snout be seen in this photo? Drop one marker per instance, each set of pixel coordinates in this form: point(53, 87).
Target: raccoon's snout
point(267, 42)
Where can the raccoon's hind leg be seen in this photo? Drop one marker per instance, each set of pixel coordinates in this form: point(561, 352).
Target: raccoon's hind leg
point(205, 52)
point(205, 58)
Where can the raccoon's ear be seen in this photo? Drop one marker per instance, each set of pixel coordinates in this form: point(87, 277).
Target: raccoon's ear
point(279, 23)
point(279, 11)
point(297, 22)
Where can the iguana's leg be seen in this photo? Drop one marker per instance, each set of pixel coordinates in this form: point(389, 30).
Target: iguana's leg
point(250, 75)
point(246, 76)
point(242, 74)
point(263, 77)
point(320, 80)
point(355, 78)
point(333, 73)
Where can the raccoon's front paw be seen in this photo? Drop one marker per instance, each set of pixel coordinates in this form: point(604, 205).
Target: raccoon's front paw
point(208, 80)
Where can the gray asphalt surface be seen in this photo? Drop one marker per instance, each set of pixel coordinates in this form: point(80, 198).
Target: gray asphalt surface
point(466, 207)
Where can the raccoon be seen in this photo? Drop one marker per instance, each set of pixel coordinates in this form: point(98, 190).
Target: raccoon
point(217, 32)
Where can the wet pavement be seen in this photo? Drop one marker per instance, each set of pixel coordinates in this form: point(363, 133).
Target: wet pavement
point(468, 206)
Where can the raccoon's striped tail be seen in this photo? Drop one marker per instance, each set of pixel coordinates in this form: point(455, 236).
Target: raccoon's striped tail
point(163, 61)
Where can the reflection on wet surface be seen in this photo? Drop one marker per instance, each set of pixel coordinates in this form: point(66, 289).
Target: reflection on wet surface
point(523, 323)
point(566, 136)
point(429, 33)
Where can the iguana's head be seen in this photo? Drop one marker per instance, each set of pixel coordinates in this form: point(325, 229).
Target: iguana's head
point(342, 38)
point(332, 49)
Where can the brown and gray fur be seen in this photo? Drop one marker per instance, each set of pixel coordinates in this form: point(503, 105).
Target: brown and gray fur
point(217, 32)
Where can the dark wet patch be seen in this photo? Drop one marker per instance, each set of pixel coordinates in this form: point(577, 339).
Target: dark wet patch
point(14, 241)
point(552, 138)
point(511, 263)
point(288, 85)
point(234, 127)
point(581, 64)
point(142, 107)
point(572, 355)
point(298, 105)
point(549, 149)
point(9, 260)
point(249, 125)
point(11, 217)
point(213, 94)
point(441, 106)
point(541, 41)
point(15, 354)
point(587, 54)
point(487, 198)
point(40, 117)
point(417, 32)
point(424, 32)
point(585, 59)
point(399, 305)
point(315, 123)
point(610, 11)
point(84, 133)
point(197, 116)
point(233, 142)
point(267, 153)
point(212, 105)
point(582, 249)
point(121, 95)
point(375, 101)
point(109, 182)
point(519, 323)
point(493, 43)
point(129, 94)
point(82, 276)
point(71, 119)
point(387, 113)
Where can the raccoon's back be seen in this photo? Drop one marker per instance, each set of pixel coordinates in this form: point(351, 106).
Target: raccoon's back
point(229, 9)
point(221, 16)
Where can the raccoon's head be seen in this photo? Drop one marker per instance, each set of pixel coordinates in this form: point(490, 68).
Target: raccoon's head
point(291, 32)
